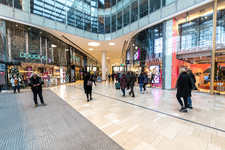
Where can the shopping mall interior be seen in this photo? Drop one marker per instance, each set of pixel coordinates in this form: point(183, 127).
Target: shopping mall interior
point(63, 41)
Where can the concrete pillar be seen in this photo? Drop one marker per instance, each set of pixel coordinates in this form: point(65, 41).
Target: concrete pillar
point(213, 48)
point(103, 65)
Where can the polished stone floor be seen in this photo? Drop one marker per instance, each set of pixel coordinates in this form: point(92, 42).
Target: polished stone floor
point(150, 121)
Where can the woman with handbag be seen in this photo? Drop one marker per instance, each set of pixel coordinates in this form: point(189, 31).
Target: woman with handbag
point(88, 81)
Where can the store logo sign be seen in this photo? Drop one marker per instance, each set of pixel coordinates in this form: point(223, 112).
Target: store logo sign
point(75, 58)
point(32, 56)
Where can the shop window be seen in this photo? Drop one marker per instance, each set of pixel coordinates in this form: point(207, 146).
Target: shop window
point(113, 22)
point(107, 24)
point(134, 11)
point(126, 16)
point(119, 20)
point(143, 8)
point(154, 5)
point(167, 2)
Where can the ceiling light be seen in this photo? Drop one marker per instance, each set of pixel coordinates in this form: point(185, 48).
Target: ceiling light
point(136, 47)
point(133, 44)
point(107, 57)
point(16, 25)
point(66, 49)
point(116, 63)
point(111, 43)
point(91, 49)
point(93, 44)
point(28, 28)
point(53, 45)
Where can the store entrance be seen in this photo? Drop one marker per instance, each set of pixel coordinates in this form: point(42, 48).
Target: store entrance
point(51, 75)
point(79, 73)
point(201, 68)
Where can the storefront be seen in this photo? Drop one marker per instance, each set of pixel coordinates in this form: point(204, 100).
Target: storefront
point(145, 54)
point(189, 38)
point(186, 42)
point(30, 50)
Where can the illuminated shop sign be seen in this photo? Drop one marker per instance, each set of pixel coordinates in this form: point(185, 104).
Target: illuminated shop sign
point(75, 58)
point(32, 56)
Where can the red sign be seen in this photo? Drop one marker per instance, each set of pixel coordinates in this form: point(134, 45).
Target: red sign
point(2, 73)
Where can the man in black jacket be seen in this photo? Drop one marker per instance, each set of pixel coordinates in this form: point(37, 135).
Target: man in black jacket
point(131, 83)
point(35, 82)
point(183, 89)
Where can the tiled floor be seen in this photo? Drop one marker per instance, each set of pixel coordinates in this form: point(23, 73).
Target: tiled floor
point(151, 121)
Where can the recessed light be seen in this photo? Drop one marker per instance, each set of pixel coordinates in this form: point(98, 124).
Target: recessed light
point(116, 63)
point(53, 45)
point(111, 43)
point(40, 32)
point(91, 49)
point(93, 44)
point(107, 57)
point(136, 47)
point(16, 25)
point(133, 44)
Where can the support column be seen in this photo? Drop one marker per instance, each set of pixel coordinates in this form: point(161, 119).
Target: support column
point(164, 55)
point(213, 47)
point(103, 65)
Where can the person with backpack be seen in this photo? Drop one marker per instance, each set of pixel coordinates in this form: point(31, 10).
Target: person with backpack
point(145, 82)
point(141, 79)
point(183, 86)
point(193, 81)
point(15, 81)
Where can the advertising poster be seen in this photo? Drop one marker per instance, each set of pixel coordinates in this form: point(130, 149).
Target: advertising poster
point(155, 74)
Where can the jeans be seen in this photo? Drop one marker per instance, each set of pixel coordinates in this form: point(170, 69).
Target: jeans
point(185, 101)
point(94, 82)
point(39, 92)
point(16, 87)
point(123, 90)
point(189, 101)
point(132, 90)
point(141, 85)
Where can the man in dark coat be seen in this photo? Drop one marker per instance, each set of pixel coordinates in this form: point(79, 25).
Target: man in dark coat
point(88, 88)
point(128, 79)
point(131, 83)
point(35, 82)
point(183, 89)
point(123, 83)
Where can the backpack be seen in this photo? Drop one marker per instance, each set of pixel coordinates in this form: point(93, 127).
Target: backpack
point(145, 80)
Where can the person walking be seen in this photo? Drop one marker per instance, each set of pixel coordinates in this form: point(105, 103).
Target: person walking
point(109, 77)
point(128, 79)
point(113, 75)
point(131, 84)
point(183, 86)
point(141, 82)
point(123, 83)
point(36, 87)
point(88, 79)
point(15, 81)
point(193, 81)
point(145, 82)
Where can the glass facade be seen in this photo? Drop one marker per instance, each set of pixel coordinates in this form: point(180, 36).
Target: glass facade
point(33, 50)
point(96, 16)
point(188, 44)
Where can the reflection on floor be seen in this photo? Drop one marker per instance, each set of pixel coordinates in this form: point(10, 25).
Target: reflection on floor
point(151, 121)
